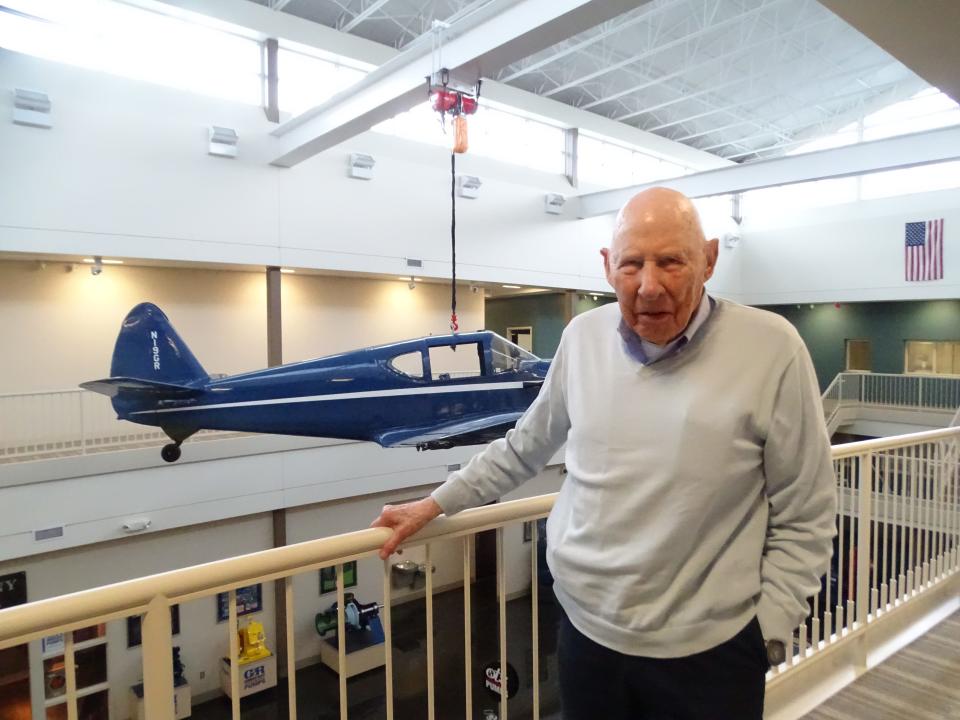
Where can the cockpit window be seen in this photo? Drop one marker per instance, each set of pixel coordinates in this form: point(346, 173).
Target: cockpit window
point(410, 364)
point(457, 361)
point(507, 356)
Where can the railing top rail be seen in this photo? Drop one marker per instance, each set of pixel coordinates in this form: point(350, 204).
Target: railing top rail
point(867, 373)
point(33, 393)
point(37, 619)
point(34, 620)
point(891, 443)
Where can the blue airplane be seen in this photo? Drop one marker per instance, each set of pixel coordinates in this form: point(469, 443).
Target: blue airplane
point(387, 394)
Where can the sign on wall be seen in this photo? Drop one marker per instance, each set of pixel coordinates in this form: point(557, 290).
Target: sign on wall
point(13, 589)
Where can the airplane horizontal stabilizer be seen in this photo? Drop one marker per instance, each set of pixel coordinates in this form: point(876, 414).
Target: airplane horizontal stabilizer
point(471, 431)
point(115, 385)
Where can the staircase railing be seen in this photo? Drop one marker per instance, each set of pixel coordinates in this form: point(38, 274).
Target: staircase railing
point(927, 392)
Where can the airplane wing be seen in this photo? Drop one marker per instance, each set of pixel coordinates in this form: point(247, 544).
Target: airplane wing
point(114, 385)
point(470, 431)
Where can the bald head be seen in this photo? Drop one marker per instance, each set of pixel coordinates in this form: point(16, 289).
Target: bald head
point(658, 263)
point(658, 209)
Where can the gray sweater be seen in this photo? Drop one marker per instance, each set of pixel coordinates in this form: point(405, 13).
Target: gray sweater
point(700, 490)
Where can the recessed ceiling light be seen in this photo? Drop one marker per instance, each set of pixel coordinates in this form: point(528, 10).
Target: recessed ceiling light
point(511, 287)
point(409, 278)
point(105, 261)
point(287, 271)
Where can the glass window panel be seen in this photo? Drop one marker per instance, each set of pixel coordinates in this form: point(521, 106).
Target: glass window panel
point(89, 633)
point(54, 678)
point(409, 364)
point(925, 110)
point(943, 360)
point(858, 355)
point(939, 176)
point(452, 362)
point(91, 666)
point(920, 357)
point(129, 41)
point(846, 136)
point(304, 81)
point(792, 197)
point(614, 165)
point(491, 133)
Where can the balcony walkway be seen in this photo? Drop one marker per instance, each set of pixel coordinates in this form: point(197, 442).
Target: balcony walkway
point(918, 683)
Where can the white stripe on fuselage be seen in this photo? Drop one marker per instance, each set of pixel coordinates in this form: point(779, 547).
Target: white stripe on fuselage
point(479, 387)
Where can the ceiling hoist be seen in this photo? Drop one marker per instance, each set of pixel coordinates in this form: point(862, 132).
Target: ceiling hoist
point(457, 102)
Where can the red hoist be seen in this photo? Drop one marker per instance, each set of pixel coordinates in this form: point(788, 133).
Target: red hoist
point(458, 104)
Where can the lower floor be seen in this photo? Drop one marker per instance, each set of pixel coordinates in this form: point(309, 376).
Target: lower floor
point(318, 686)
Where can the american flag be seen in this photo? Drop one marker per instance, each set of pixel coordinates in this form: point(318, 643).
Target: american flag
point(923, 250)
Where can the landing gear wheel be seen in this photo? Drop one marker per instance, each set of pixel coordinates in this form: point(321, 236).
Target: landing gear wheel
point(171, 452)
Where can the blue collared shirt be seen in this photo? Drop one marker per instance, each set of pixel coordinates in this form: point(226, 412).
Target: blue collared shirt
point(647, 353)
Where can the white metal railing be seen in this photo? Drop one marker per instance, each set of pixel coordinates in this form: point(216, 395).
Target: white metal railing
point(898, 534)
point(898, 526)
point(928, 392)
point(68, 422)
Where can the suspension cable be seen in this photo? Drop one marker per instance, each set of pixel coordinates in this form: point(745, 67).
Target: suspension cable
point(453, 242)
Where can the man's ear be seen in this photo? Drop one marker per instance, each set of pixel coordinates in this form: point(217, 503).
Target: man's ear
point(711, 249)
point(606, 261)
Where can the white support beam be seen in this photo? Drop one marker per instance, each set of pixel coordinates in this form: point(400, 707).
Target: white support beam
point(905, 151)
point(259, 22)
point(481, 43)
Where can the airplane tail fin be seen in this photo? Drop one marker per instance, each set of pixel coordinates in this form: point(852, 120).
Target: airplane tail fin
point(150, 350)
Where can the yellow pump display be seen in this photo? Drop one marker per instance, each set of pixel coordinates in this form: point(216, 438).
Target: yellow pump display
point(253, 644)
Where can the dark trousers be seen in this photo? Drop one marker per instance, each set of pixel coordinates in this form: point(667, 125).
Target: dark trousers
point(723, 683)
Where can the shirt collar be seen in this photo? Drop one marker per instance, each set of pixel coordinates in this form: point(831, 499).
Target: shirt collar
point(647, 353)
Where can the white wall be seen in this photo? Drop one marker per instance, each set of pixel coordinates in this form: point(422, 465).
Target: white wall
point(124, 172)
point(203, 641)
point(846, 253)
point(60, 327)
point(325, 314)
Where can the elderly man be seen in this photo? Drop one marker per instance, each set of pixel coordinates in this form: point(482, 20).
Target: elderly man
point(698, 510)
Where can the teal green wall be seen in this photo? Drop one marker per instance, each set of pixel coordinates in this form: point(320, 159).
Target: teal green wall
point(887, 325)
point(586, 302)
point(824, 327)
point(543, 312)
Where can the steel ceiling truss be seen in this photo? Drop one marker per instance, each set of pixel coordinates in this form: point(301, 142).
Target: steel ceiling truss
point(739, 78)
point(690, 56)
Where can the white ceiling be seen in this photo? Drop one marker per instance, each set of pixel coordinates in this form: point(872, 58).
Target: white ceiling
point(742, 79)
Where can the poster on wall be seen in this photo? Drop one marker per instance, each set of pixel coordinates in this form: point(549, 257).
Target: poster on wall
point(328, 577)
point(249, 600)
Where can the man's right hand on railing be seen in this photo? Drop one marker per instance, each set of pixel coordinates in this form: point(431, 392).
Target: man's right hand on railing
point(405, 520)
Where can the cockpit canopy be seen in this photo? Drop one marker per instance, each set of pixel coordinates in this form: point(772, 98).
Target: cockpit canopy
point(459, 356)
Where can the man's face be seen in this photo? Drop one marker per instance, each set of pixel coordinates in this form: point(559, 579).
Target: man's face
point(658, 266)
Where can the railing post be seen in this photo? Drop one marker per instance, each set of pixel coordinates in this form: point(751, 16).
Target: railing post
point(920, 392)
point(157, 661)
point(864, 519)
point(83, 429)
